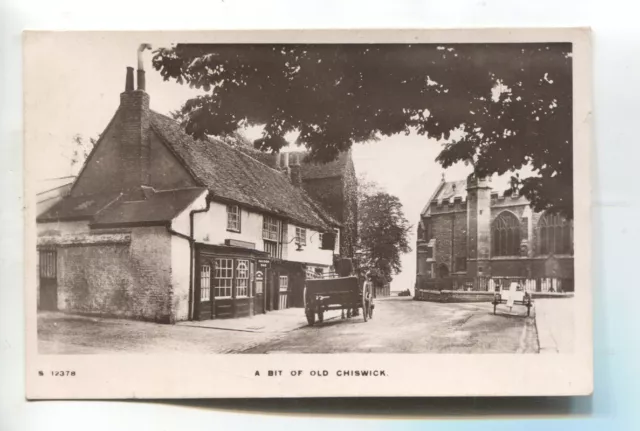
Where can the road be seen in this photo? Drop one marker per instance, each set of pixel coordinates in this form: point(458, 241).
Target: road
point(401, 325)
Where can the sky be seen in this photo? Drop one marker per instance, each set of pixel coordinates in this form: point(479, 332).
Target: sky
point(74, 84)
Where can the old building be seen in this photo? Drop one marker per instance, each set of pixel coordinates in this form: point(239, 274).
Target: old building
point(333, 185)
point(160, 226)
point(472, 236)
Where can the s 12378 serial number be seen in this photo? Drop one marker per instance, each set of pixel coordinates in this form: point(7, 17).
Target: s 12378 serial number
point(59, 373)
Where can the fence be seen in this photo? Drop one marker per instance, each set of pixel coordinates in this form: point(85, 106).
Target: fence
point(382, 291)
point(494, 283)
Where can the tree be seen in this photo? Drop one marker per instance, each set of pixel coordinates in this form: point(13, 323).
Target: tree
point(81, 150)
point(383, 234)
point(512, 102)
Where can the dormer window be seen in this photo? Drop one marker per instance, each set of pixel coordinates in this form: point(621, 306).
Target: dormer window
point(233, 218)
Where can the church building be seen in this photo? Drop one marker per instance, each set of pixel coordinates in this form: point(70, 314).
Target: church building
point(471, 237)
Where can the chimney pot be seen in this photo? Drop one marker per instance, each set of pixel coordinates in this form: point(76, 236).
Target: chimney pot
point(129, 80)
point(141, 80)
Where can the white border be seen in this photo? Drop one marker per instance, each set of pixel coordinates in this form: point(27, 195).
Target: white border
point(178, 376)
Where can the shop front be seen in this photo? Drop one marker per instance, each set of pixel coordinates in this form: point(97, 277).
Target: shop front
point(230, 282)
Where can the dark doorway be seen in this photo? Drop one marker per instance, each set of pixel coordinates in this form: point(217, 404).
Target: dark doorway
point(443, 271)
point(48, 280)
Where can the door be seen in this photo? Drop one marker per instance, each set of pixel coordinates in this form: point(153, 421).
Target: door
point(204, 297)
point(48, 280)
point(258, 300)
point(283, 283)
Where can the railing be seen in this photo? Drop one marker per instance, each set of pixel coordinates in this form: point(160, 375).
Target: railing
point(495, 283)
point(382, 291)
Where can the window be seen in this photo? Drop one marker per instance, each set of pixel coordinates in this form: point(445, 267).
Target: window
point(270, 228)
point(224, 278)
point(205, 283)
point(320, 236)
point(301, 236)
point(284, 282)
point(554, 235)
point(48, 264)
point(271, 247)
point(461, 264)
point(506, 235)
point(242, 279)
point(233, 218)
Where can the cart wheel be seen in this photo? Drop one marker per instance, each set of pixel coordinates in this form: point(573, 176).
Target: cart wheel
point(311, 318)
point(320, 316)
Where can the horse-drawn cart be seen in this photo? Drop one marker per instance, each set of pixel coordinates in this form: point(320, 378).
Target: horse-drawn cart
point(342, 293)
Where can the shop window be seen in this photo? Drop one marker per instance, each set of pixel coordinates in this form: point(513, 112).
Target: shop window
point(205, 283)
point(242, 279)
point(506, 235)
point(233, 218)
point(224, 278)
point(554, 235)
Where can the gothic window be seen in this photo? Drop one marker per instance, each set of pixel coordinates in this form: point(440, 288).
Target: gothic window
point(506, 235)
point(554, 235)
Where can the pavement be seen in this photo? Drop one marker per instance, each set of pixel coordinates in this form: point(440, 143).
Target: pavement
point(555, 324)
point(278, 321)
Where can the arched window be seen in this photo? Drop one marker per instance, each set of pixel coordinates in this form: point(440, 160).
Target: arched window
point(554, 235)
point(506, 235)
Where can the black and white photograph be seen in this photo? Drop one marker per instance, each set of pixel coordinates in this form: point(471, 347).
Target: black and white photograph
point(411, 198)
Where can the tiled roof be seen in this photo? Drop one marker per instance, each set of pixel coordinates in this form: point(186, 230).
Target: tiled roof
point(452, 190)
point(158, 207)
point(230, 174)
point(78, 207)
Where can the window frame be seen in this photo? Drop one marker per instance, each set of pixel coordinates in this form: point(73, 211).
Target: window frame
point(205, 291)
point(547, 235)
point(218, 278)
point(270, 228)
point(505, 235)
point(238, 215)
point(285, 287)
point(301, 235)
point(237, 278)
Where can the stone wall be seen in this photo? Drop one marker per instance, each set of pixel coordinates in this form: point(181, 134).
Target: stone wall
point(124, 280)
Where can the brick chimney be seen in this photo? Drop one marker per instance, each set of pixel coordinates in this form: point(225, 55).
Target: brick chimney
point(133, 133)
point(295, 175)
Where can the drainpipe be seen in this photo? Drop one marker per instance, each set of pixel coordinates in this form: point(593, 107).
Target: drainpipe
point(192, 249)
